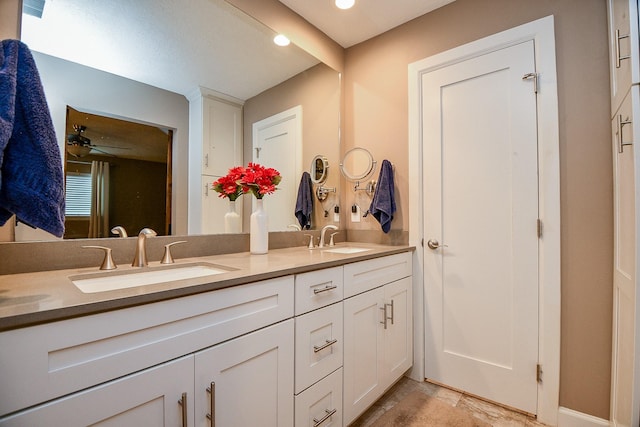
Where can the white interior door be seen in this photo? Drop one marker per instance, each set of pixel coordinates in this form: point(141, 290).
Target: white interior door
point(481, 201)
point(277, 143)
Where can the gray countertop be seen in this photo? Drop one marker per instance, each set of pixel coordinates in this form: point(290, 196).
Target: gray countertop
point(31, 298)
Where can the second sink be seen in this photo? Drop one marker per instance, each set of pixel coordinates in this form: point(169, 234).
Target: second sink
point(346, 250)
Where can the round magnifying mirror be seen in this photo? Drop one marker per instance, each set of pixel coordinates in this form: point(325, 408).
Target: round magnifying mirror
point(319, 170)
point(357, 164)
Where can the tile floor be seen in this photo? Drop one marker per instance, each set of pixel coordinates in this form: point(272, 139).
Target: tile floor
point(495, 415)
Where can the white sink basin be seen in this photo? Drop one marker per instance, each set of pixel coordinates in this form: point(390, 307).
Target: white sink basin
point(102, 282)
point(347, 250)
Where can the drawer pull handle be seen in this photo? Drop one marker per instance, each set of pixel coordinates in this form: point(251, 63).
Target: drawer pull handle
point(212, 396)
point(619, 58)
point(384, 315)
point(328, 343)
point(390, 305)
point(327, 415)
point(621, 123)
point(325, 289)
point(183, 402)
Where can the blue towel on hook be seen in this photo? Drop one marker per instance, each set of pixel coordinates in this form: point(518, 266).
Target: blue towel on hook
point(383, 204)
point(31, 178)
point(304, 202)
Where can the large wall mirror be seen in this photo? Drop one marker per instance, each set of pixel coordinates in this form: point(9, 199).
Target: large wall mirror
point(134, 61)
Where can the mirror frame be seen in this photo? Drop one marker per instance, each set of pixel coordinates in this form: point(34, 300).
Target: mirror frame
point(323, 168)
point(353, 176)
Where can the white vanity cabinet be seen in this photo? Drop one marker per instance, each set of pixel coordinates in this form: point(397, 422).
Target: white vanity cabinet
point(280, 352)
point(378, 330)
point(55, 360)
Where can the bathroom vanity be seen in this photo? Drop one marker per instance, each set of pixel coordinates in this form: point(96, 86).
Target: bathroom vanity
point(294, 337)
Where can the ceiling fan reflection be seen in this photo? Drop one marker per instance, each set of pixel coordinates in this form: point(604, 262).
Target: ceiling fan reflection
point(79, 145)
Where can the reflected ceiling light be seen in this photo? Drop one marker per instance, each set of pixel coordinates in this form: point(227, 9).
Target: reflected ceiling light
point(281, 40)
point(345, 4)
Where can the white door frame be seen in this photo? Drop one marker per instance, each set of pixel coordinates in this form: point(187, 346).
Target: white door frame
point(541, 32)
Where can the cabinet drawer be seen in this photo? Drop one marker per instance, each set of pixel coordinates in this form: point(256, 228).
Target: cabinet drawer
point(317, 289)
point(318, 345)
point(321, 401)
point(46, 361)
point(361, 276)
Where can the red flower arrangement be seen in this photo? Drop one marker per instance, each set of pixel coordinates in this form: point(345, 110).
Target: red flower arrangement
point(255, 179)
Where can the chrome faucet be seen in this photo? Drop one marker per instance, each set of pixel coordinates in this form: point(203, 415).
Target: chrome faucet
point(120, 231)
point(140, 258)
point(324, 230)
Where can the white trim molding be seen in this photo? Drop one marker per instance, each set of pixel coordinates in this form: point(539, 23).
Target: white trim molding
point(541, 32)
point(570, 418)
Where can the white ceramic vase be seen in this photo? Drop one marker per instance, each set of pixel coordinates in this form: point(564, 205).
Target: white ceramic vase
point(232, 219)
point(259, 230)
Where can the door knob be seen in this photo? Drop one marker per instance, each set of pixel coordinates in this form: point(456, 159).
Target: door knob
point(434, 244)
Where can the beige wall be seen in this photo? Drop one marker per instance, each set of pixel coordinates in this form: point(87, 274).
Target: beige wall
point(376, 109)
point(317, 90)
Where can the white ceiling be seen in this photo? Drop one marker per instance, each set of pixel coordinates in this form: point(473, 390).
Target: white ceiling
point(366, 19)
point(179, 45)
point(171, 44)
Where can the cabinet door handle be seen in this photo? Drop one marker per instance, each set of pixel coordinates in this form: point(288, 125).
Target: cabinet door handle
point(620, 124)
point(390, 305)
point(384, 315)
point(618, 57)
point(206, 190)
point(183, 403)
point(327, 415)
point(328, 343)
point(325, 289)
point(211, 416)
point(206, 160)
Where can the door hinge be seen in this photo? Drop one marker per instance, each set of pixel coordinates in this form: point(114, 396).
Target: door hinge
point(539, 373)
point(533, 76)
point(539, 228)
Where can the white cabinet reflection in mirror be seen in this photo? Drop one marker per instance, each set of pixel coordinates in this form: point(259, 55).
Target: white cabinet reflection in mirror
point(218, 122)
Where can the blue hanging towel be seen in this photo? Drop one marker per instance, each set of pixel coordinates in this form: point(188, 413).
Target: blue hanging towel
point(383, 204)
point(304, 202)
point(31, 178)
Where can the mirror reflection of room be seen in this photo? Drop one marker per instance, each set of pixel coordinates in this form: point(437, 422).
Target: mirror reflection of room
point(117, 173)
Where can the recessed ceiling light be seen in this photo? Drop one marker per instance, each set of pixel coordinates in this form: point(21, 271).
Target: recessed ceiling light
point(281, 40)
point(345, 4)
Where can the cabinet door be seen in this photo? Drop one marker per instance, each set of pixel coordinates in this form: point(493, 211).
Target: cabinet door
point(398, 335)
point(251, 379)
point(625, 378)
point(222, 136)
point(623, 47)
point(148, 398)
point(363, 352)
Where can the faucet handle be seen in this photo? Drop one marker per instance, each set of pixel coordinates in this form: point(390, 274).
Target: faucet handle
point(331, 242)
point(311, 246)
point(107, 262)
point(167, 258)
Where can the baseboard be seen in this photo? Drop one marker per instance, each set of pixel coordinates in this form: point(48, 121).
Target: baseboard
point(570, 418)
